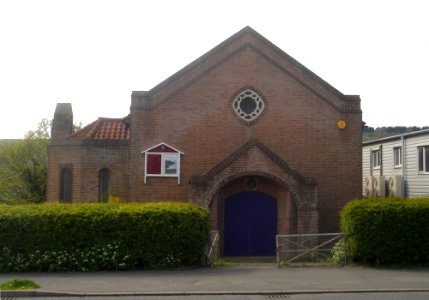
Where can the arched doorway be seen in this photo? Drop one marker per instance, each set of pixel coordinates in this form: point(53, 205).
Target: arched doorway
point(250, 224)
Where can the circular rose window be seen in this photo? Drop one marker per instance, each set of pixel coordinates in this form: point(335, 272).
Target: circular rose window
point(248, 105)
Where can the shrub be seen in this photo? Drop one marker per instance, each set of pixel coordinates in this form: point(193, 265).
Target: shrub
point(110, 257)
point(382, 230)
point(152, 235)
point(339, 253)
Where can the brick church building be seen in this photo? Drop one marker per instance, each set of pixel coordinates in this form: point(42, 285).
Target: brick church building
point(245, 130)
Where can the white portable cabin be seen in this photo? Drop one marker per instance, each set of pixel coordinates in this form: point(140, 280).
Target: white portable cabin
point(397, 166)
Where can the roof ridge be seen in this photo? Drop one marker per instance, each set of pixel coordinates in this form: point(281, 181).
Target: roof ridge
point(104, 129)
point(299, 65)
point(307, 74)
point(197, 61)
point(396, 136)
point(109, 119)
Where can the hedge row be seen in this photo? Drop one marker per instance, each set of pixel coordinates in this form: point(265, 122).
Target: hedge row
point(150, 235)
point(382, 230)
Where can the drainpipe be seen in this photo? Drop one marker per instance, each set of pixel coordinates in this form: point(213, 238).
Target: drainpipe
point(370, 161)
point(403, 163)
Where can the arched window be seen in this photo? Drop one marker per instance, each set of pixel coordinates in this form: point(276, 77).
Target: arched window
point(66, 185)
point(103, 185)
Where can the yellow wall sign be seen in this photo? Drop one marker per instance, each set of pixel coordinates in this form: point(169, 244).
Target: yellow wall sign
point(341, 124)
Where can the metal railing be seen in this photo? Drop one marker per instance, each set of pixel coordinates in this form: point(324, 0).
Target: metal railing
point(212, 250)
point(313, 248)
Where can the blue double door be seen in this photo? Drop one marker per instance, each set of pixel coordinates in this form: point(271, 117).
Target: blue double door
point(250, 225)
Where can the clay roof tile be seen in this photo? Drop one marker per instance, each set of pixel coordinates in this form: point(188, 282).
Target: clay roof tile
point(104, 129)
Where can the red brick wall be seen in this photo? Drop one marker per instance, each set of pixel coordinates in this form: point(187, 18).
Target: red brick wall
point(192, 111)
point(86, 162)
point(298, 125)
point(61, 156)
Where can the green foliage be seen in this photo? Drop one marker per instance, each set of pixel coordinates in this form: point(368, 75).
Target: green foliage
point(110, 257)
point(387, 231)
point(339, 253)
point(152, 235)
point(369, 133)
point(23, 167)
point(222, 262)
point(78, 126)
point(19, 284)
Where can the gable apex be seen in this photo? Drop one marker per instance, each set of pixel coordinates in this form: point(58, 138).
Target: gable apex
point(162, 147)
point(246, 38)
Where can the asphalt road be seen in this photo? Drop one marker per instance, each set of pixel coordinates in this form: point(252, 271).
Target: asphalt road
point(349, 296)
point(253, 282)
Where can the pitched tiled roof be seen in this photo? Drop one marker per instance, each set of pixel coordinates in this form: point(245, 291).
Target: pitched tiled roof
point(104, 129)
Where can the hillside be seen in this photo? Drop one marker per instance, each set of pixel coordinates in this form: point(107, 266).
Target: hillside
point(371, 133)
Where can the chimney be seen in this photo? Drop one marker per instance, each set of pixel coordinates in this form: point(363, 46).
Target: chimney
point(62, 125)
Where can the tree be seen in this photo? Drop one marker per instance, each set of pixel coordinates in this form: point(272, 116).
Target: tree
point(369, 133)
point(24, 166)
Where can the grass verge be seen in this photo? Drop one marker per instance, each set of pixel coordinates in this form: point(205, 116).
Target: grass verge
point(19, 284)
point(221, 262)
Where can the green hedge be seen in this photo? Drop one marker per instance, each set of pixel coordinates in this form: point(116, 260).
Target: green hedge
point(151, 235)
point(387, 231)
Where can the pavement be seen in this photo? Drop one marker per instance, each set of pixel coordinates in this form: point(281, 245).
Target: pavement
point(243, 279)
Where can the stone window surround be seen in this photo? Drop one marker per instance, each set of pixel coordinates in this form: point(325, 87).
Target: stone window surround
point(260, 104)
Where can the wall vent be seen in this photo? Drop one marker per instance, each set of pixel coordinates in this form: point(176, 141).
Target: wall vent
point(251, 184)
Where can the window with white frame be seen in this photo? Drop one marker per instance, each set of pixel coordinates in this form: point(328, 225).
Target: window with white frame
point(375, 159)
point(162, 161)
point(423, 157)
point(397, 157)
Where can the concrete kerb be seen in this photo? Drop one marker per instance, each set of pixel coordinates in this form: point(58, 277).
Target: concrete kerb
point(41, 293)
point(254, 279)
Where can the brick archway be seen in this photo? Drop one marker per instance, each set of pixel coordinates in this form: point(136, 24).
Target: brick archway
point(256, 159)
point(219, 183)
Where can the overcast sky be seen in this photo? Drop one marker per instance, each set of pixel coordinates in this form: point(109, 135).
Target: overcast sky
point(95, 53)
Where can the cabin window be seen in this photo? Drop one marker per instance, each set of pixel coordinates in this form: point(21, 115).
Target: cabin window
point(375, 159)
point(66, 185)
point(162, 161)
point(423, 159)
point(397, 157)
point(103, 185)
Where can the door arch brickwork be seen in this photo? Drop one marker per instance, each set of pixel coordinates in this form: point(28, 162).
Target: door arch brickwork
point(255, 159)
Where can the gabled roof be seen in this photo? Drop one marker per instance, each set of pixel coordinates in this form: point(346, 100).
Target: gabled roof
point(221, 53)
point(104, 129)
point(162, 147)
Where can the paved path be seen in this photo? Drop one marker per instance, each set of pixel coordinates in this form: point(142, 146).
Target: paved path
point(247, 279)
